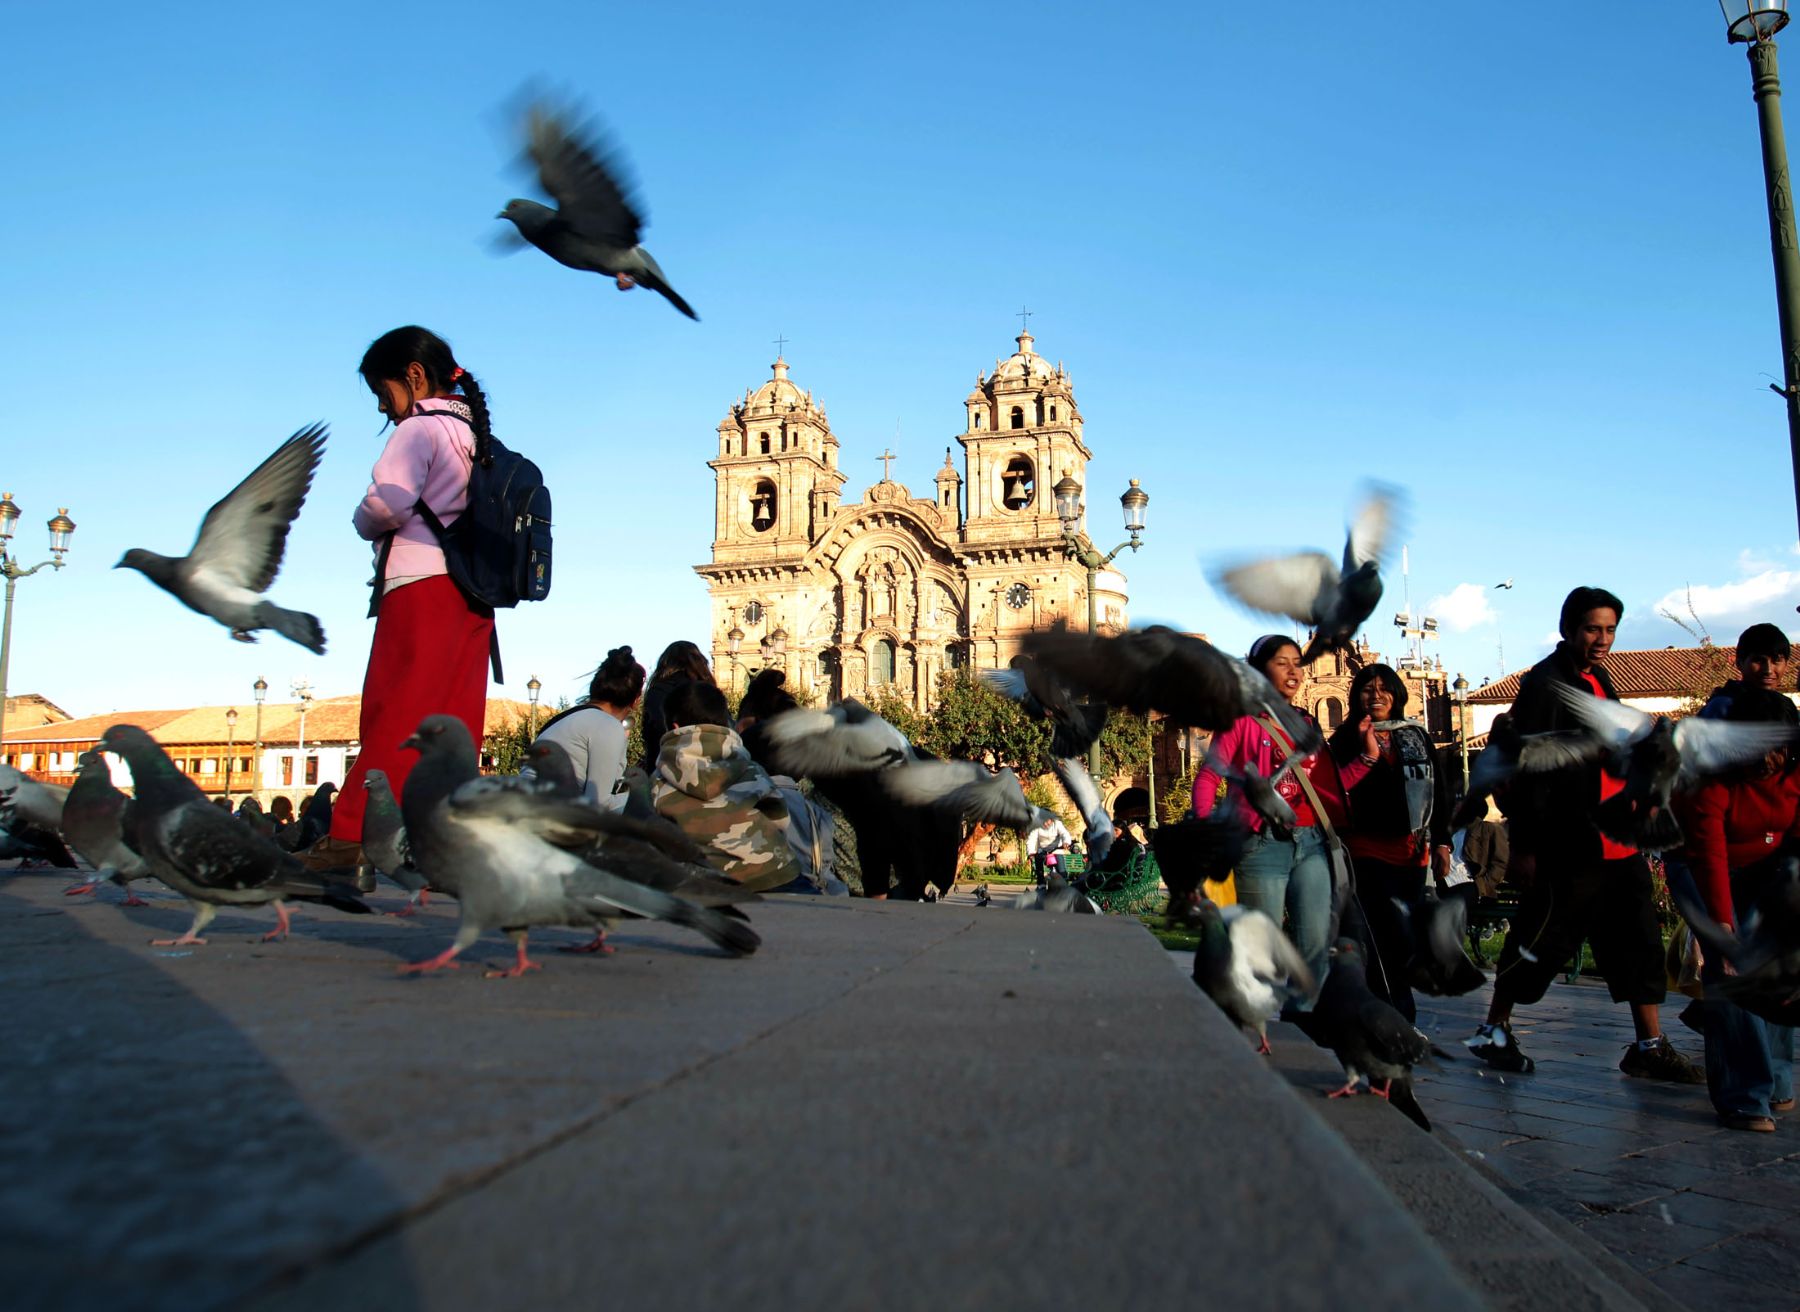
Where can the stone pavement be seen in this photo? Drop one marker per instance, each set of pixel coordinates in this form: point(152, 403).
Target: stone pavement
point(888, 1106)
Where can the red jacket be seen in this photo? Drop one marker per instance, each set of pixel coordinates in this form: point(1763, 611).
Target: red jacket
point(1733, 823)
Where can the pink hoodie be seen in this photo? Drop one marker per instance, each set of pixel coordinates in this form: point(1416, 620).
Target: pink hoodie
point(1247, 740)
point(427, 457)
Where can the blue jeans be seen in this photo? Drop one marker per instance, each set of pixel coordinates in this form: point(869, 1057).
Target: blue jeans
point(1749, 1062)
point(1292, 875)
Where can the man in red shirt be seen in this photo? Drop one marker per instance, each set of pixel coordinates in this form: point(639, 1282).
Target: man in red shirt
point(1579, 885)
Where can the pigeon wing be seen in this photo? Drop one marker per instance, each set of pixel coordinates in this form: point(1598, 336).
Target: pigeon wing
point(1616, 725)
point(1388, 1034)
point(1257, 942)
point(966, 787)
point(214, 851)
point(244, 536)
point(1552, 751)
point(585, 178)
point(1298, 586)
point(1372, 527)
point(1708, 747)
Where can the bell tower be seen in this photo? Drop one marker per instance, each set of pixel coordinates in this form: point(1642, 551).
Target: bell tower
point(776, 477)
point(1023, 434)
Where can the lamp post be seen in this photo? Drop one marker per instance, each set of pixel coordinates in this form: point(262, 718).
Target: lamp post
point(734, 643)
point(230, 749)
point(1080, 548)
point(1459, 693)
point(260, 690)
point(303, 690)
point(1755, 23)
point(532, 689)
point(61, 528)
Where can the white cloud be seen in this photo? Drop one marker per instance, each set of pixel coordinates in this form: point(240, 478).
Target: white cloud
point(1462, 608)
point(1767, 594)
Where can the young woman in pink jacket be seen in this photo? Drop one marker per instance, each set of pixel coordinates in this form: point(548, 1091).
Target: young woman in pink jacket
point(1284, 871)
point(430, 651)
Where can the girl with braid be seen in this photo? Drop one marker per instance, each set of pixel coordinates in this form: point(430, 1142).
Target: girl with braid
point(430, 651)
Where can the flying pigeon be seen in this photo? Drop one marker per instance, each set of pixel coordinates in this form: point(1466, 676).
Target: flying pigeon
point(1438, 929)
point(238, 552)
point(968, 788)
point(1656, 757)
point(1247, 966)
point(1197, 850)
point(1510, 753)
point(199, 851)
point(596, 225)
point(91, 822)
point(492, 846)
point(845, 738)
point(31, 819)
point(384, 842)
point(1079, 784)
point(1508, 585)
point(1075, 724)
point(1186, 678)
point(1371, 1040)
point(1309, 587)
point(1764, 949)
point(1058, 895)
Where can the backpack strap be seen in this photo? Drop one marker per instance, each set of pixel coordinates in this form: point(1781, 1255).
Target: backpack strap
point(1281, 740)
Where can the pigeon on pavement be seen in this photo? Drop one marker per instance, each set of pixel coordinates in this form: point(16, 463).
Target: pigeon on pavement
point(1656, 757)
point(1075, 724)
point(1079, 784)
point(1058, 894)
point(201, 852)
point(1438, 929)
point(1247, 966)
point(91, 822)
point(384, 842)
point(1371, 1039)
point(31, 819)
point(493, 847)
point(596, 225)
point(1186, 678)
point(238, 552)
point(1310, 588)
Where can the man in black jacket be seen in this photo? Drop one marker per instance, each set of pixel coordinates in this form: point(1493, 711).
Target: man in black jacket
point(1579, 885)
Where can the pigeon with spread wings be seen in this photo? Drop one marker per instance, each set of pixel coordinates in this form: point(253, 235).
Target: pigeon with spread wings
point(238, 552)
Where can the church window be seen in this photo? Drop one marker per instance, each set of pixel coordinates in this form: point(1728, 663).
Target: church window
point(744, 445)
point(764, 440)
point(1018, 417)
point(1053, 412)
point(980, 420)
point(1334, 712)
point(1018, 483)
point(1040, 410)
point(953, 656)
point(762, 506)
point(881, 664)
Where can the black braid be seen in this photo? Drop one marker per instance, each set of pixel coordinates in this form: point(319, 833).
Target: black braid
point(478, 417)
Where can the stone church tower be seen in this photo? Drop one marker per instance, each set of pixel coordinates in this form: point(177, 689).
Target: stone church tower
point(895, 589)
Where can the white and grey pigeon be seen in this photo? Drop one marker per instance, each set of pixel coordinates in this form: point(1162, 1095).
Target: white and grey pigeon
point(201, 852)
point(1312, 588)
point(1058, 895)
point(92, 817)
point(967, 788)
point(239, 549)
point(384, 842)
point(596, 225)
point(31, 819)
point(845, 738)
point(493, 846)
point(1657, 757)
point(1080, 786)
point(1246, 965)
point(1510, 753)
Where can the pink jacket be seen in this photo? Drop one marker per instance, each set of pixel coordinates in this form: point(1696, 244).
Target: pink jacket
point(427, 457)
point(1247, 740)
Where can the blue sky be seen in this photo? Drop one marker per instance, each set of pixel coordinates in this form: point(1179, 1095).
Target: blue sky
point(1517, 265)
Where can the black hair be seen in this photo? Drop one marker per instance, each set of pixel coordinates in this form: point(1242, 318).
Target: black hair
point(682, 660)
point(619, 681)
point(389, 354)
point(694, 702)
point(1389, 679)
point(1583, 599)
point(1764, 640)
point(765, 696)
point(1263, 650)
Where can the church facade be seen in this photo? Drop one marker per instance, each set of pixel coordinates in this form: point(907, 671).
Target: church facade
point(889, 591)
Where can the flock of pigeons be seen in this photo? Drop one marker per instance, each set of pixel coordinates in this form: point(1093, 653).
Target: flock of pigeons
point(523, 851)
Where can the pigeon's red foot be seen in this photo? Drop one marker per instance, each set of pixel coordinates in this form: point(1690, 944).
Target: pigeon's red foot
point(281, 925)
point(133, 900)
point(523, 964)
point(625, 280)
point(442, 961)
point(410, 909)
point(597, 944)
point(186, 940)
point(1262, 1047)
point(1381, 1092)
point(76, 890)
point(1350, 1090)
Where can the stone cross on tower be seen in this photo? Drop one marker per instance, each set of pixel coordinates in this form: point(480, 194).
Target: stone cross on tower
point(887, 458)
point(780, 347)
point(1024, 317)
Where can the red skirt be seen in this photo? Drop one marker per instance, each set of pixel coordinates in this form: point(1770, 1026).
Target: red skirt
point(429, 657)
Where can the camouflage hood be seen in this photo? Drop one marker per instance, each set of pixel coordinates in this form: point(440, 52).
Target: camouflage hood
point(706, 761)
point(708, 785)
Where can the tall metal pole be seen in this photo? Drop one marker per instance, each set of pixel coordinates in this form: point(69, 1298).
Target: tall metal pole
point(5, 649)
point(1766, 86)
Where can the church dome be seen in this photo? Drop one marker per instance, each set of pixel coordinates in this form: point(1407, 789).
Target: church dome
point(1022, 365)
point(779, 392)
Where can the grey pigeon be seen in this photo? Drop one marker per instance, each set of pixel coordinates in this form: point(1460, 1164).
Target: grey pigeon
point(549, 763)
point(384, 841)
point(1372, 1041)
point(1197, 850)
point(1657, 757)
point(31, 819)
point(1246, 965)
point(845, 738)
point(596, 225)
point(1764, 949)
point(1438, 929)
point(1311, 588)
point(967, 788)
point(1157, 669)
point(1510, 753)
point(1075, 725)
point(91, 823)
point(1059, 895)
point(1079, 784)
point(199, 851)
point(492, 846)
point(238, 552)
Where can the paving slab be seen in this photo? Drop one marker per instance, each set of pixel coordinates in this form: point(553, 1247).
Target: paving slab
point(889, 1105)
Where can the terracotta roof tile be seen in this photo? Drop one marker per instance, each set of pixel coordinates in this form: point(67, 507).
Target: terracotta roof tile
point(1653, 672)
point(329, 720)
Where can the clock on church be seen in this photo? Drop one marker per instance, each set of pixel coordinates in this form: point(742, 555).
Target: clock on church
point(1018, 596)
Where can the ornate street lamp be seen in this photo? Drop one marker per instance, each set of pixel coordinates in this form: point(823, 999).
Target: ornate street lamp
point(1755, 23)
point(1459, 693)
point(1081, 550)
point(260, 690)
point(61, 529)
point(230, 748)
point(303, 690)
point(532, 689)
point(734, 643)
